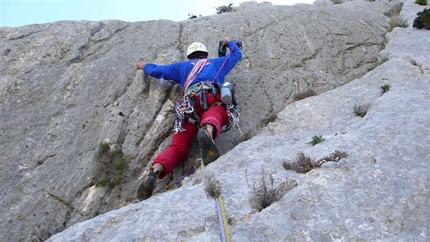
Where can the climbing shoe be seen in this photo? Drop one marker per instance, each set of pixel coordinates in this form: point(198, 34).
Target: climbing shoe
point(209, 150)
point(145, 189)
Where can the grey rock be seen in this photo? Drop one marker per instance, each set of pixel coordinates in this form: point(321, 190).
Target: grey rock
point(379, 192)
point(68, 86)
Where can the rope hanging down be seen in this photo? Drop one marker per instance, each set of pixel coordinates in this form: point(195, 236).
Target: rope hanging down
point(220, 209)
point(223, 223)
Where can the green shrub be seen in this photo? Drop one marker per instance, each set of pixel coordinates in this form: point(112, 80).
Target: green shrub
point(111, 166)
point(423, 20)
point(104, 147)
point(317, 139)
point(116, 180)
point(421, 2)
point(385, 88)
point(121, 164)
point(101, 182)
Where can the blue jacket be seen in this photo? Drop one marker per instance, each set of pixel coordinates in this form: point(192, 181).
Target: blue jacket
point(178, 71)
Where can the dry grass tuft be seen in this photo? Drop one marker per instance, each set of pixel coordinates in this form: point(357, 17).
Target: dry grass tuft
point(265, 192)
point(394, 15)
point(305, 163)
point(212, 187)
point(397, 21)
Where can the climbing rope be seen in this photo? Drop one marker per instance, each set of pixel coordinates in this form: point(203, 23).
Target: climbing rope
point(221, 212)
point(223, 222)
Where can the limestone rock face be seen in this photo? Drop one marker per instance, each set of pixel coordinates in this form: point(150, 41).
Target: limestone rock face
point(68, 86)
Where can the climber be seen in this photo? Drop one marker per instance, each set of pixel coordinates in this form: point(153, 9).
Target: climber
point(200, 111)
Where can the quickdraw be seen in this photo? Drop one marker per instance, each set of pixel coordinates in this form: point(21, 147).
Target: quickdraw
point(233, 118)
point(185, 111)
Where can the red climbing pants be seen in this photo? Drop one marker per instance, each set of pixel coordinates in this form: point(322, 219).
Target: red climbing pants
point(177, 151)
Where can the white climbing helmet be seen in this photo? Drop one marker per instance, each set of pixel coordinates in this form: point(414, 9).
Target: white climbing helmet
point(196, 46)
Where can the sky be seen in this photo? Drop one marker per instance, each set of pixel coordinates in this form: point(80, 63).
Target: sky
point(15, 13)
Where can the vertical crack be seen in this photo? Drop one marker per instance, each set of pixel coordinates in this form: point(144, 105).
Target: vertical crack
point(123, 131)
point(180, 49)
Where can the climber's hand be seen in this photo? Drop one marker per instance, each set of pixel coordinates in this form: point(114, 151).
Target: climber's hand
point(140, 65)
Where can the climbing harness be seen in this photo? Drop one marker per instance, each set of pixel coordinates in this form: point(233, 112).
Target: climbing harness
point(200, 90)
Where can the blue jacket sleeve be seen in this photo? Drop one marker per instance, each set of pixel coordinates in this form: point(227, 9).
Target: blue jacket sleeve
point(235, 54)
point(168, 72)
point(229, 61)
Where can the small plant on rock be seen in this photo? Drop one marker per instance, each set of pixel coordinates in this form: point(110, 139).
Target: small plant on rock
point(303, 164)
point(265, 192)
point(385, 88)
point(111, 166)
point(225, 9)
point(421, 2)
point(317, 139)
point(104, 147)
point(212, 187)
point(397, 21)
point(423, 20)
point(361, 109)
point(394, 14)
